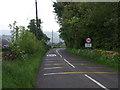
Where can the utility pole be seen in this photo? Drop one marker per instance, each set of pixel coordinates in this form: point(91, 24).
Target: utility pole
point(36, 19)
point(36, 14)
point(59, 41)
point(52, 38)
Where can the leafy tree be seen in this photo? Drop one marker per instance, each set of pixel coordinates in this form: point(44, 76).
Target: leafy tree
point(98, 21)
point(36, 30)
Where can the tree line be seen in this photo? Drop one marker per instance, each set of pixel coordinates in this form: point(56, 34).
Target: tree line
point(98, 21)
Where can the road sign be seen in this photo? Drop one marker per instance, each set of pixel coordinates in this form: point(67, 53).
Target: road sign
point(88, 40)
point(88, 44)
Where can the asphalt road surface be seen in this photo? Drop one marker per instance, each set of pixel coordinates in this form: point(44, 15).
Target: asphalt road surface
point(61, 69)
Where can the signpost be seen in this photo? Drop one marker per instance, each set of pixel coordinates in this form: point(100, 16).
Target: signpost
point(88, 40)
point(88, 44)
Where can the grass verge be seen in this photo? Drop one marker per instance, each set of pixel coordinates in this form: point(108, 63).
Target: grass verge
point(104, 59)
point(21, 73)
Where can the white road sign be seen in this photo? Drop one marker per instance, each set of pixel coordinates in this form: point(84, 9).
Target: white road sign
point(88, 44)
point(88, 40)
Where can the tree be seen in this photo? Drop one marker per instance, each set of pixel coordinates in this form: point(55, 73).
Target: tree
point(98, 21)
point(36, 30)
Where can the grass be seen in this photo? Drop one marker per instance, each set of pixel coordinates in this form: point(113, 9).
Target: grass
point(108, 60)
point(0, 74)
point(21, 73)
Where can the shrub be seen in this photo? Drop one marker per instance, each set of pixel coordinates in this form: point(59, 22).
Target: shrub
point(107, 58)
point(25, 43)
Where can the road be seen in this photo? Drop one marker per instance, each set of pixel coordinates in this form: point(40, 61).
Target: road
point(60, 69)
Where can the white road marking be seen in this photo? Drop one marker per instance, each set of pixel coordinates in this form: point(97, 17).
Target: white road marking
point(69, 63)
point(65, 59)
point(51, 55)
point(54, 68)
point(58, 53)
point(96, 82)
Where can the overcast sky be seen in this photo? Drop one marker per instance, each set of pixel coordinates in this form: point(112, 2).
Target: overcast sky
point(23, 11)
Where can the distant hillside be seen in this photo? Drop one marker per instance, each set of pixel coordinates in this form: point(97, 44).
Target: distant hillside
point(6, 37)
point(48, 33)
point(55, 36)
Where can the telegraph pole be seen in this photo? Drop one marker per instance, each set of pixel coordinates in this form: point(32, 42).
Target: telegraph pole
point(36, 14)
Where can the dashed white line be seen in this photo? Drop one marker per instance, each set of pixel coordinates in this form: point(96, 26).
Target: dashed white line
point(65, 59)
point(58, 53)
point(96, 82)
point(69, 63)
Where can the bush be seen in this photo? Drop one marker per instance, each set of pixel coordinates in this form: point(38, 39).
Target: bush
point(106, 58)
point(22, 73)
point(25, 43)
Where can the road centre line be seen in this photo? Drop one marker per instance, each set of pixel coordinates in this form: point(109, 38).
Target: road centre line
point(96, 82)
point(69, 63)
point(60, 73)
point(65, 59)
point(58, 53)
point(53, 68)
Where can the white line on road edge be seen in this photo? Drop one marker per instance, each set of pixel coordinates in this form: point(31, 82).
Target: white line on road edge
point(69, 63)
point(96, 82)
point(58, 53)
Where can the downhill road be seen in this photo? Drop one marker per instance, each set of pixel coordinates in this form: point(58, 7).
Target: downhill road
point(60, 69)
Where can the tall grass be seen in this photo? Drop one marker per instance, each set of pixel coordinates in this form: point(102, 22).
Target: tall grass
point(101, 58)
point(21, 73)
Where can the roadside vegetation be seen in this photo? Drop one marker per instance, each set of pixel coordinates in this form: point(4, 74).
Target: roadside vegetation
point(21, 73)
point(22, 58)
point(95, 20)
point(107, 58)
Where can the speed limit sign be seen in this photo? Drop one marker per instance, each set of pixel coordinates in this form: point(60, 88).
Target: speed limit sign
point(88, 40)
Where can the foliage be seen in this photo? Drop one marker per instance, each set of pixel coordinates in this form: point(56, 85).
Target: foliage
point(22, 43)
point(108, 52)
point(37, 30)
point(98, 21)
point(27, 51)
point(109, 60)
point(22, 73)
